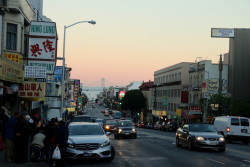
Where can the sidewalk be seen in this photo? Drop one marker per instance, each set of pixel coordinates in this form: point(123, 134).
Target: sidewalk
point(4, 163)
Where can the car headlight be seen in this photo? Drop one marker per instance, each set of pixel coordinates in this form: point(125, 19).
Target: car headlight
point(71, 145)
point(119, 130)
point(134, 130)
point(107, 143)
point(221, 139)
point(106, 127)
point(199, 138)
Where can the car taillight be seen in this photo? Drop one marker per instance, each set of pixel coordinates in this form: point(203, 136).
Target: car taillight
point(228, 129)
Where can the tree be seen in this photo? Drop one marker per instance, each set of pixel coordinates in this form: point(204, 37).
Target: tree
point(84, 99)
point(223, 102)
point(240, 108)
point(133, 100)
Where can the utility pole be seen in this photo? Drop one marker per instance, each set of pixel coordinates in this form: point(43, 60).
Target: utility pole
point(220, 75)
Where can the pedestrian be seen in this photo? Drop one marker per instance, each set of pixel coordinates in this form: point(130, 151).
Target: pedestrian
point(38, 147)
point(62, 135)
point(9, 134)
point(50, 136)
point(21, 140)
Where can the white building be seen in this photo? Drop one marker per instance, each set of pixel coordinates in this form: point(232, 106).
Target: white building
point(168, 86)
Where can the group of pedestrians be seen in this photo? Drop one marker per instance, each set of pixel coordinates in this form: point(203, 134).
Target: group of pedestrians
point(28, 138)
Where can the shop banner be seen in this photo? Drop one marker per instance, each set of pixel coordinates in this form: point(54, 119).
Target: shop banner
point(42, 47)
point(32, 89)
point(10, 71)
point(14, 57)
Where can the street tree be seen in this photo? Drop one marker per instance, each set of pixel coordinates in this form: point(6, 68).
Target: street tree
point(133, 101)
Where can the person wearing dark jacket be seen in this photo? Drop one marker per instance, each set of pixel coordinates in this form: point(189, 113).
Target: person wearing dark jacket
point(9, 134)
point(50, 133)
point(62, 135)
point(21, 140)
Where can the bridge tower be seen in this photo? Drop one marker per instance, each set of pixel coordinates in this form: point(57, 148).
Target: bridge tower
point(102, 83)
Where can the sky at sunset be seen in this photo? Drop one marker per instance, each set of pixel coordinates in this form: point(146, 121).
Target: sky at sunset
point(134, 38)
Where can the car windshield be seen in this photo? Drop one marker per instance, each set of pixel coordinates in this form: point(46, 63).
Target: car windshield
point(82, 119)
point(201, 128)
point(85, 130)
point(111, 122)
point(125, 123)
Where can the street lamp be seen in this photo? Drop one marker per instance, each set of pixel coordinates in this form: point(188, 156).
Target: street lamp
point(63, 64)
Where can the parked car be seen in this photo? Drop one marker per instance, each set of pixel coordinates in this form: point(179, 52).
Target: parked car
point(141, 125)
point(110, 112)
point(157, 125)
point(82, 118)
point(149, 126)
point(171, 126)
point(106, 113)
point(233, 128)
point(88, 140)
point(109, 125)
point(125, 128)
point(200, 135)
point(163, 126)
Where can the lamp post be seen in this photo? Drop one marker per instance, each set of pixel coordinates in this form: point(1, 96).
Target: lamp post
point(63, 63)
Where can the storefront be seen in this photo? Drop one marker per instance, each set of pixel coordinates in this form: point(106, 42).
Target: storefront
point(193, 114)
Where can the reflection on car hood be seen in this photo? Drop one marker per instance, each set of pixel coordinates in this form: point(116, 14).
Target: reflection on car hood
point(206, 134)
point(78, 139)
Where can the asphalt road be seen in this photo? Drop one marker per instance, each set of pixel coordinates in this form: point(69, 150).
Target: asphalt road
point(157, 148)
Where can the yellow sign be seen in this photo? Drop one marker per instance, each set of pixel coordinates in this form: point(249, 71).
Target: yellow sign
point(14, 57)
point(32, 89)
point(10, 71)
point(159, 113)
point(178, 112)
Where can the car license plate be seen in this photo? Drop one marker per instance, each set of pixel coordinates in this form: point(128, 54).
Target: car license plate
point(244, 130)
point(213, 142)
point(126, 133)
point(86, 154)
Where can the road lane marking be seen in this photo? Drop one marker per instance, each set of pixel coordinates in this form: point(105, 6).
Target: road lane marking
point(216, 161)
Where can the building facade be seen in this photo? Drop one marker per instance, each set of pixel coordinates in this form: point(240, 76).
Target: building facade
point(168, 86)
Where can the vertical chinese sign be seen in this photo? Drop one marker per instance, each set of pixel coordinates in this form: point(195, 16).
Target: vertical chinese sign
point(43, 45)
point(76, 89)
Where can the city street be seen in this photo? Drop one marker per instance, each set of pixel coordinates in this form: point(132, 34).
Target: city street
point(157, 148)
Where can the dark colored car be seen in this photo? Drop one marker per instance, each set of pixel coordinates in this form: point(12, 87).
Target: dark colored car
point(82, 118)
point(110, 112)
point(141, 125)
point(125, 128)
point(171, 126)
point(109, 125)
point(157, 126)
point(200, 135)
point(149, 126)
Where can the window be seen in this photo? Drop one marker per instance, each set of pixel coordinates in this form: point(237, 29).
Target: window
point(11, 40)
point(244, 122)
point(235, 121)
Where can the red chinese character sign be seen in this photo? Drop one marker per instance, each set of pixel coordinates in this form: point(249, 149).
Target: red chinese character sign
point(32, 89)
point(42, 45)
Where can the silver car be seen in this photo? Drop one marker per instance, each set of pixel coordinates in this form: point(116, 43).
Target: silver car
point(88, 140)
